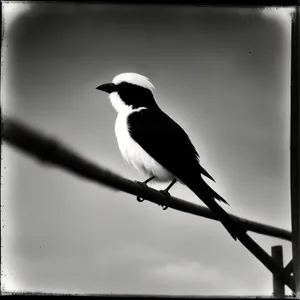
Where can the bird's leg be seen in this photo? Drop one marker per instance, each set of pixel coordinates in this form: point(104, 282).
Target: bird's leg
point(167, 194)
point(144, 185)
point(148, 180)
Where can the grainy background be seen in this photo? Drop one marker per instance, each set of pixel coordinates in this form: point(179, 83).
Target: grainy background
point(221, 73)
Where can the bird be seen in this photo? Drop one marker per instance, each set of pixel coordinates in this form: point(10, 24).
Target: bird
point(154, 144)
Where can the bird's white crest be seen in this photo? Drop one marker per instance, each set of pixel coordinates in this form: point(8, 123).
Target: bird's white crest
point(136, 79)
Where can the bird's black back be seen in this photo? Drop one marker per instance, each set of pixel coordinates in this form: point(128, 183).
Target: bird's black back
point(165, 141)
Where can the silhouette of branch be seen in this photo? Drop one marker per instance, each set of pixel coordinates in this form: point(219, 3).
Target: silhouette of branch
point(51, 152)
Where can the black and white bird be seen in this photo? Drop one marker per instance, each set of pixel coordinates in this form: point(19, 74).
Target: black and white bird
point(156, 145)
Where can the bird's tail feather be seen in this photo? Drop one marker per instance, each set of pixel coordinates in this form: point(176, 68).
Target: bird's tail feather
point(205, 173)
point(215, 194)
point(207, 195)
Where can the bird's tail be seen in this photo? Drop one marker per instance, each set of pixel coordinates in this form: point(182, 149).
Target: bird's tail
point(214, 194)
point(208, 195)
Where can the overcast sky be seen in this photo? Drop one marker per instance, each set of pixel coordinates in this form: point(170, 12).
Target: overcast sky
point(222, 74)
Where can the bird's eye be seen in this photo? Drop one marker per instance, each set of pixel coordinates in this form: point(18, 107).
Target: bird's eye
point(123, 87)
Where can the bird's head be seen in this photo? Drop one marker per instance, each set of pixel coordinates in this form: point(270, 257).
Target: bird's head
point(130, 90)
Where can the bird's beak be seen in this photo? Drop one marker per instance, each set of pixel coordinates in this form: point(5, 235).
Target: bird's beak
point(107, 87)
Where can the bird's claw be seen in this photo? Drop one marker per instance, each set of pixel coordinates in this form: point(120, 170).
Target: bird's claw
point(139, 199)
point(168, 199)
point(164, 192)
point(142, 184)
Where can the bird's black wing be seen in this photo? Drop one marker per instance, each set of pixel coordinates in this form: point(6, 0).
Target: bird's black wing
point(165, 141)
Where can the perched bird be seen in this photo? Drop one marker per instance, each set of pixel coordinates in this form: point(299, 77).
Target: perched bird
point(156, 145)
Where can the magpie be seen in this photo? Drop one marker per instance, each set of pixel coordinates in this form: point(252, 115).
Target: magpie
point(155, 144)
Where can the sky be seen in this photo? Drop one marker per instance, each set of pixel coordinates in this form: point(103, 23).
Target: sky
point(221, 73)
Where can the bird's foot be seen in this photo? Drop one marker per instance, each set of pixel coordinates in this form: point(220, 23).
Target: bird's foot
point(168, 199)
point(144, 186)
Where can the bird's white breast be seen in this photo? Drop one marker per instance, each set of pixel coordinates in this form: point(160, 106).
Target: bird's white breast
point(134, 153)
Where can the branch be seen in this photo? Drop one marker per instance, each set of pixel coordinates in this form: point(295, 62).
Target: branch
point(50, 151)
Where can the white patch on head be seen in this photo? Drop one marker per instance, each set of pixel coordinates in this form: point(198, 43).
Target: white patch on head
point(136, 79)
